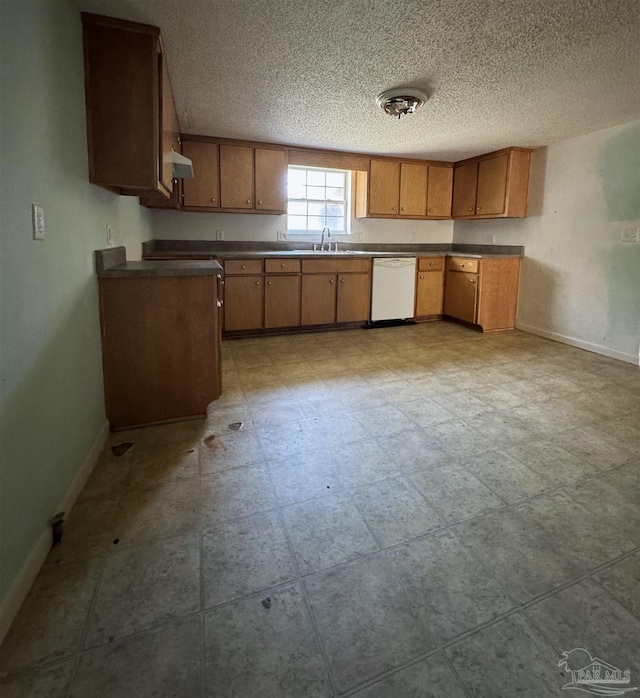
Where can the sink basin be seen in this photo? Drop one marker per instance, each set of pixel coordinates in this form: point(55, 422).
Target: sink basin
point(333, 252)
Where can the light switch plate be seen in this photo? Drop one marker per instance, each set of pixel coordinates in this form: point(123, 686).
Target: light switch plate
point(37, 215)
point(219, 234)
point(109, 235)
point(281, 235)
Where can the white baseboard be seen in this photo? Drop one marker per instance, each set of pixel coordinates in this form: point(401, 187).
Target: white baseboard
point(23, 581)
point(581, 344)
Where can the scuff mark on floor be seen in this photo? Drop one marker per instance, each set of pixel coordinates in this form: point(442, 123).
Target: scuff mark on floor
point(213, 443)
point(120, 449)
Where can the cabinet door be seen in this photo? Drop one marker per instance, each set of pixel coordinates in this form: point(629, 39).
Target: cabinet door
point(413, 189)
point(384, 187)
point(271, 179)
point(318, 299)
point(243, 303)
point(170, 134)
point(439, 191)
point(174, 201)
point(465, 180)
point(354, 297)
point(236, 176)
point(492, 185)
point(282, 301)
point(202, 190)
point(460, 295)
point(429, 293)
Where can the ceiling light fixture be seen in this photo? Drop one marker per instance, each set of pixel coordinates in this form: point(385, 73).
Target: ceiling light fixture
point(401, 100)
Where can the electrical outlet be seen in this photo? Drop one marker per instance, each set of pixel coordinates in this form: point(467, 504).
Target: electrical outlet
point(629, 235)
point(37, 216)
point(493, 238)
point(219, 234)
point(413, 236)
point(358, 236)
point(281, 235)
point(109, 235)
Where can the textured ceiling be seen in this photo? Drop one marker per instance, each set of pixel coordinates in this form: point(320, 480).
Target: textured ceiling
point(307, 72)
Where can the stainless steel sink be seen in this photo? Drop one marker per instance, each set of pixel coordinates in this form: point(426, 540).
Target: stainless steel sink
point(326, 252)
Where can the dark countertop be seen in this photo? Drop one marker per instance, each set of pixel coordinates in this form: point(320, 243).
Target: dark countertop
point(227, 249)
point(304, 254)
point(111, 263)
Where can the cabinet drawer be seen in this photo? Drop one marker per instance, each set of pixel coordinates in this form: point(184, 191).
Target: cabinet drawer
point(243, 266)
point(335, 266)
point(431, 264)
point(275, 266)
point(462, 264)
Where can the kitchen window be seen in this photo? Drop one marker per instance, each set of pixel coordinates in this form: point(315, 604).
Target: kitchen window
point(317, 198)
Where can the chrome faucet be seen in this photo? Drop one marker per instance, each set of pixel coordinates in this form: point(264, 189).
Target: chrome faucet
point(326, 230)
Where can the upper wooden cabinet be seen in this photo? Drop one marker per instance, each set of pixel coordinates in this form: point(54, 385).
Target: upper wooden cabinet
point(495, 185)
point(465, 185)
point(270, 179)
point(132, 126)
point(384, 187)
point(413, 189)
point(236, 176)
point(404, 190)
point(439, 190)
point(233, 178)
point(203, 191)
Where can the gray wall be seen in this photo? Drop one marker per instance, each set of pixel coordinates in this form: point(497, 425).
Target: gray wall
point(51, 399)
point(580, 283)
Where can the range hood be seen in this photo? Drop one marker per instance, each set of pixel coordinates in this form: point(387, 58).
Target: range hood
point(182, 166)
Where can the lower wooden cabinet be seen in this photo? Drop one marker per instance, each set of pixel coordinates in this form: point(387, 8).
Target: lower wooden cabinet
point(429, 287)
point(483, 292)
point(160, 348)
point(288, 292)
point(354, 298)
point(243, 303)
point(281, 301)
point(319, 299)
point(461, 295)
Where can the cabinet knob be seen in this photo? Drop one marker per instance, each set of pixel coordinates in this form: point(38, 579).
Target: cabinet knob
point(422, 277)
point(477, 208)
point(341, 281)
point(282, 265)
point(431, 264)
point(268, 283)
point(471, 210)
point(248, 201)
point(472, 281)
point(430, 210)
point(393, 208)
point(213, 199)
point(402, 208)
point(244, 266)
point(257, 283)
point(461, 264)
point(258, 202)
point(331, 281)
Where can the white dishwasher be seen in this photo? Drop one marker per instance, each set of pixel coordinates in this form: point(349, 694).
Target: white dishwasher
point(394, 285)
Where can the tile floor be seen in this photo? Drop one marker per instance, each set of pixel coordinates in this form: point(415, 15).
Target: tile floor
point(411, 512)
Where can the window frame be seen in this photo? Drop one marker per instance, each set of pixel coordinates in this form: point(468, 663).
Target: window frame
point(347, 202)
